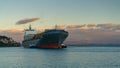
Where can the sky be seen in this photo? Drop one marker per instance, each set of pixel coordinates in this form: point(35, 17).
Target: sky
point(16, 15)
point(60, 12)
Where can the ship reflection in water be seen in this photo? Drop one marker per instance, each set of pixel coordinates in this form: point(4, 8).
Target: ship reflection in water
point(70, 57)
point(52, 38)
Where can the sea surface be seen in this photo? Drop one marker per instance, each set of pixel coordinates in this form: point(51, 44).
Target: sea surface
point(71, 57)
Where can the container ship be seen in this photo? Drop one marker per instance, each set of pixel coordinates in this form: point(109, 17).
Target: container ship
point(52, 38)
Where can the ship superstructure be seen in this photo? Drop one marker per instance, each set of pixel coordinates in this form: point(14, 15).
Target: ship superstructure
point(29, 33)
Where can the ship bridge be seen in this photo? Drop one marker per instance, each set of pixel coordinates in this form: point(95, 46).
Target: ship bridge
point(29, 33)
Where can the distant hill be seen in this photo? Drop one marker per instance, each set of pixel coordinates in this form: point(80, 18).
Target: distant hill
point(8, 42)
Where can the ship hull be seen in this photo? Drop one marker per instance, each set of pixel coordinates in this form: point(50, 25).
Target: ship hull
point(49, 39)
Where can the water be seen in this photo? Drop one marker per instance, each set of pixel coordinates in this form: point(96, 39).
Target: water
point(71, 57)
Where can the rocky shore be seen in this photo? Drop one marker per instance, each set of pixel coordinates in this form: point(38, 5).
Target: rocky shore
point(8, 42)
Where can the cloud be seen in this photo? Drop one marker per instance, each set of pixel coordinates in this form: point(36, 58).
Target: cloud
point(16, 34)
point(78, 37)
point(27, 20)
point(108, 26)
point(61, 26)
point(75, 26)
point(79, 34)
point(91, 25)
point(94, 34)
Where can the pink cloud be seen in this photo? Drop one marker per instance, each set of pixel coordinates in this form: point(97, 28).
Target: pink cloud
point(16, 34)
point(78, 36)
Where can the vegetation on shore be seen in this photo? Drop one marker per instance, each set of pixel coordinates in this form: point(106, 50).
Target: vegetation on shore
point(8, 42)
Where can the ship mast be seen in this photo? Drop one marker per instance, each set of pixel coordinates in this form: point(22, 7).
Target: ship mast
point(30, 28)
point(56, 27)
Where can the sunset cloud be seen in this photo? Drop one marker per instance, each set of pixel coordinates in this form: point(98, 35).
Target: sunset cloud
point(79, 34)
point(16, 34)
point(93, 34)
point(75, 26)
point(27, 20)
point(91, 25)
point(108, 26)
point(61, 26)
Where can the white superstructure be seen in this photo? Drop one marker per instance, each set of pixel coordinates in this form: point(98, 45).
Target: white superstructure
point(29, 33)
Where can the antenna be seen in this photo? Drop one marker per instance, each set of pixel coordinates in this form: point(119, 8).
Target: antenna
point(30, 28)
point(56, 27)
